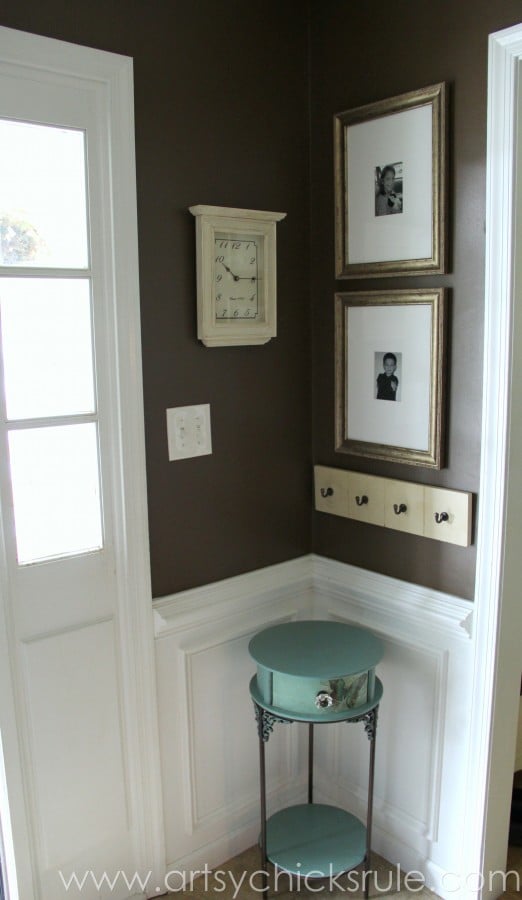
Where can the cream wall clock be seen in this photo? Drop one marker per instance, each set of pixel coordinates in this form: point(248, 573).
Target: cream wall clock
point(236, 275)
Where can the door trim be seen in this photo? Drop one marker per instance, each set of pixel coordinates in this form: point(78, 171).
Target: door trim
point(497, 621)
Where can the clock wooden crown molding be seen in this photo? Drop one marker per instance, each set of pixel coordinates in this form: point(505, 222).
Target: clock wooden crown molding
point(236, 275)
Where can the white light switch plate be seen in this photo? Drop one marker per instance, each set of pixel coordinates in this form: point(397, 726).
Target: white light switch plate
point(188, 431)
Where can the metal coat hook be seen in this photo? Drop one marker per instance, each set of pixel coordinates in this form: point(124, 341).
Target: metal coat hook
point(441, 517)
point(399, 509)
point(361, 500)
point(326, 492)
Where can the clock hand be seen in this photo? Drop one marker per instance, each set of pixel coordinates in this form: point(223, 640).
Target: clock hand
point(247, 278)
point(235, 277)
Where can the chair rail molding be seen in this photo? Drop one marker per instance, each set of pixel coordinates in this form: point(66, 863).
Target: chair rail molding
point(398, 603)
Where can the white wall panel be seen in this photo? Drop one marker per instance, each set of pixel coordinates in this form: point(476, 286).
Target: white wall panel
point(424, 717)
point(76, 745)
point(208, 734)
point(407, 783)
point(219, 709)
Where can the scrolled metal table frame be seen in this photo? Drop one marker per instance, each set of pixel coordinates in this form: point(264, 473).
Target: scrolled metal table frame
point(265, 726)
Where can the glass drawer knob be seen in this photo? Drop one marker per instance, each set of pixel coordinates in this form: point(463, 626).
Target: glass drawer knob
point(323, 700)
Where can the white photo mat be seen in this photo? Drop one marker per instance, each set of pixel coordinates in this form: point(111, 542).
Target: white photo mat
point(405, 136)
point(390, 375)
point(404, 422)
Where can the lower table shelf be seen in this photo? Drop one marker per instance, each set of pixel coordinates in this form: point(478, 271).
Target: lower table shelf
point(315, 840)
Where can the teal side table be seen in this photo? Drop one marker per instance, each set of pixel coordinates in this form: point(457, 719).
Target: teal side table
point(315, 672)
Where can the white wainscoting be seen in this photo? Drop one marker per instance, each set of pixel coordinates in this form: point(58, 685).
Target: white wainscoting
point(424, 717)
point(208, 738)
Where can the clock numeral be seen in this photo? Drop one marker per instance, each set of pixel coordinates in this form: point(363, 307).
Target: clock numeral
point(252, 260)
point(220, 259)
point(219, 277)
point(252, 299)
point(236, 313)
point(219, 297)
point(236, 245)
point(223, 245)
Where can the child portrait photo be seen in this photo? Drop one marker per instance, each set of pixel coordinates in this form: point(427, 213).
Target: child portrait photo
point(389, 189)
point(388, 375)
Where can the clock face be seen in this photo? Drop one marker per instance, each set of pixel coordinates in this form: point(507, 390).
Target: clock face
point(238, 277)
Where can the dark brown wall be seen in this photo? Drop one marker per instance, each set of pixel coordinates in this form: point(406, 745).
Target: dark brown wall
point(221, 118)
point(362, 52)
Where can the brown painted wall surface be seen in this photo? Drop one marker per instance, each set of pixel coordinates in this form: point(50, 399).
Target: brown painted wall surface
point(222, 117)
point(368, 51)
point(221, 94)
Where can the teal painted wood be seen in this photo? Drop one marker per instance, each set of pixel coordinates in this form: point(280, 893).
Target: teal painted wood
point(315, 840)
point(316, 649)
point(322, 715)
point(298, 694)
point(303, 665)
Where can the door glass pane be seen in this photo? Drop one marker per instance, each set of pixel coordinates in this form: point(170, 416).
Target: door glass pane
point(46, 346)
point(56, 491)
point(43, 220)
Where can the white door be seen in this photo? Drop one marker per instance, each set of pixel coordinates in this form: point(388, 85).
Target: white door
point(78, 717)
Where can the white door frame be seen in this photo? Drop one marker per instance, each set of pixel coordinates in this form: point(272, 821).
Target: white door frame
point(497, 611)
point(133, 605)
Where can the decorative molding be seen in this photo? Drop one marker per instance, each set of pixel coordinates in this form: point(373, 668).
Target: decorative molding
point(194, 819)
point(310, 577)
point(505, 67)
point(138, 677)
point(426, 827)
point(220, 599)
point(233, 840)
point(354, 797)
point(398, 604)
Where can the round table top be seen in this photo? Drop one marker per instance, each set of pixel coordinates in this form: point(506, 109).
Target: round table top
point(316, 649)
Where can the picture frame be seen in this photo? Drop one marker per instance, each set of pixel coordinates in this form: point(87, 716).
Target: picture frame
point(390, 375)
point(390, 172)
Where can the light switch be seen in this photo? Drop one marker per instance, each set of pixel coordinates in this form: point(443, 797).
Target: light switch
point(188, 431)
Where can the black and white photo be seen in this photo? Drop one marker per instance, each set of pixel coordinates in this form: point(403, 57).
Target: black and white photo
point(389, 189)
point(388, 375)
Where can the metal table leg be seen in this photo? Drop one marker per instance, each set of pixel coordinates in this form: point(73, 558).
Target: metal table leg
point(265, 724)
point(311, 762)
point(371, 729)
